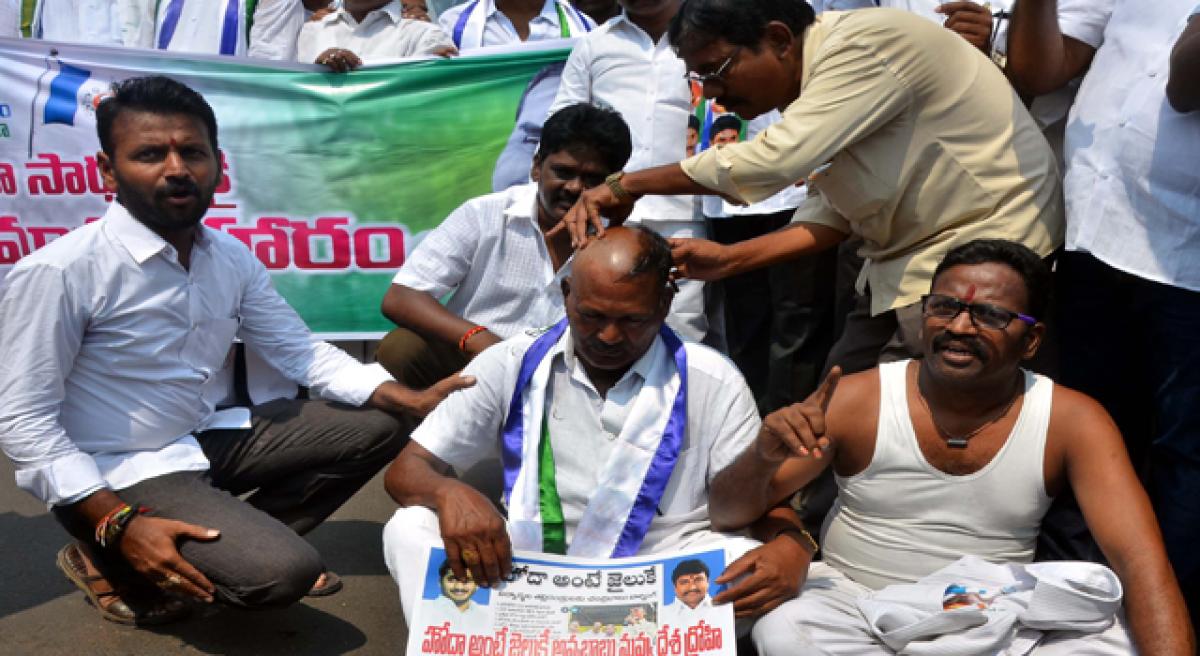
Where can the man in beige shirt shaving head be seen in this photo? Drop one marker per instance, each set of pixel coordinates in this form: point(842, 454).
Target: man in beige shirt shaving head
point(907, 137)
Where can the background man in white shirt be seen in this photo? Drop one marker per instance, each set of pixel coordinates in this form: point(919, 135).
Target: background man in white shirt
point(480, 23)
point(627, 64)
point(493, 256)
point(265, 29)
point(601, 390)
point(110, 344)
point(367, 32)
point(1129, 281)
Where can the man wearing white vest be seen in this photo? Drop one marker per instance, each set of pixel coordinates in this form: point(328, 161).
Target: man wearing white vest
point(959, 454)
point(607, 391)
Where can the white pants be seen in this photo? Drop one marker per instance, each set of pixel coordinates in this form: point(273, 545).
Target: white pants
point(412, 530)
point(825, 620)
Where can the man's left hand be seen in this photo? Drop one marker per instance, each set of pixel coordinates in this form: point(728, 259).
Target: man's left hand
point(445, 51)
point(972, 21)
point(396, 398)
point(774, 573)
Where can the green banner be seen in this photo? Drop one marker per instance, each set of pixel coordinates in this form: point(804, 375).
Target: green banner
point(331, 178)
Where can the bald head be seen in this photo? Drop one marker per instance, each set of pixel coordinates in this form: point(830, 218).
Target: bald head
point(617, 298)
point(623, 255)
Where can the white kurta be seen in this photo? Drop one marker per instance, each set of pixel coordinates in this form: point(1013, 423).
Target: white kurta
point(722, 421)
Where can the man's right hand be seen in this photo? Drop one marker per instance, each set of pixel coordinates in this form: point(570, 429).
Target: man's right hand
point(474, 534)
point(799, 429)
point(150, 545)
point(339, 60)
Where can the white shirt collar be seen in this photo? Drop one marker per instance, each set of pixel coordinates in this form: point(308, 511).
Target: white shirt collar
point(549, 11)
point(392, 10)
point(522, 202)
point(141, 242)
point(639, 368)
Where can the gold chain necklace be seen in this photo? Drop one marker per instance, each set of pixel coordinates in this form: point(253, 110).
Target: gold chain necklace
point(960, 441)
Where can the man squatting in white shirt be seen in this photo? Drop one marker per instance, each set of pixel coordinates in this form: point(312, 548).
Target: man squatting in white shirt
point(606, 391)
point(110, 347)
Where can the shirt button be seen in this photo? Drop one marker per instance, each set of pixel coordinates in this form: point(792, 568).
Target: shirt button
point(1153, 73)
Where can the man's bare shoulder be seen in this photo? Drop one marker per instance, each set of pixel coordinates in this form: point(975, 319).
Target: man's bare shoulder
point(854, 407)
point(1075, 414)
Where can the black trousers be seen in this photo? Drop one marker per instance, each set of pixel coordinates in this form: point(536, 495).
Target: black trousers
point(779, 321)
point(299, 462)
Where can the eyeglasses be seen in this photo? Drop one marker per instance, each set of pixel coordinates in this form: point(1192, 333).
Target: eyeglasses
point(983, 315)
point(715, 76)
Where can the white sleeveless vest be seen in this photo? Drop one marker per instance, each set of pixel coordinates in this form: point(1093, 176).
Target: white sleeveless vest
point(901, 518)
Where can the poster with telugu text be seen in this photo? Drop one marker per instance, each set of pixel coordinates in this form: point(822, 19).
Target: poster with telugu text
point(561, 606)
point(330, 179)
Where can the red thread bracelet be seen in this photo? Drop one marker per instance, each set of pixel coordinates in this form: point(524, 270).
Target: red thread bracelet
point(462, 343)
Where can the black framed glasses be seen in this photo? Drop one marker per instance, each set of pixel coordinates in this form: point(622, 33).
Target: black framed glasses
point(715, 76)
point(983, 315)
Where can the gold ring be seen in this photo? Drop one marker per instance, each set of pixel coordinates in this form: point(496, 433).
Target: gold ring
point(470, 556)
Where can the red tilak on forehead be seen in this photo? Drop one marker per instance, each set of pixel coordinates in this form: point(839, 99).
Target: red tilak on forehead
point(175, 144)
point(970, 294)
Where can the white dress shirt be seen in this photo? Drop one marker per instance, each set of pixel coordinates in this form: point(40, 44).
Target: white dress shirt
point(381, 36)
point(681, 616)
point(199, 26)
point(10, 18)
point(486, 25)
point(1132, 188)
point(109, 351)
point(275, 29)
point(475, 620)
point(722, 421)
point(618, 65)
point(95, 22)
point(491, 254)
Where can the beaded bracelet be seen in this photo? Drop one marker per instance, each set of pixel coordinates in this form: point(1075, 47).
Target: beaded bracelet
point(109, 530)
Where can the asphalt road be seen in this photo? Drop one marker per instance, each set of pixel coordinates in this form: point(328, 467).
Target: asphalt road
point(42, 613)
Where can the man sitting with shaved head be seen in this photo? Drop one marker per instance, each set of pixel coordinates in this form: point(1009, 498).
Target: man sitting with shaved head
point(571, 410)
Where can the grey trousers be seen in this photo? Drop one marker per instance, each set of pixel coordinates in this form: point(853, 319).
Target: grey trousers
point(299, 462)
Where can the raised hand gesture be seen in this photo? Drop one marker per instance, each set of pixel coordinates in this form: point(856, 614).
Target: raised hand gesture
point(799, 429)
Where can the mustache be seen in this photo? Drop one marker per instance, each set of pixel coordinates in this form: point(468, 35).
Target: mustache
point(972, 344)
point(178, 187)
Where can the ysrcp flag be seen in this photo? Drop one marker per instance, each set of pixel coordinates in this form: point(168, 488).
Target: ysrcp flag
point(330, 179)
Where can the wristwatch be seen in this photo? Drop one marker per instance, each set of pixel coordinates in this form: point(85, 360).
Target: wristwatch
point(614, 184)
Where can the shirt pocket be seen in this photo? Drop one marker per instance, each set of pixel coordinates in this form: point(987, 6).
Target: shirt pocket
point(688, 487)
point(852, 190)
point(209, 344)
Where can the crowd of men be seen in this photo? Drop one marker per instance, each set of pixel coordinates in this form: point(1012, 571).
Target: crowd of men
point(991, 195)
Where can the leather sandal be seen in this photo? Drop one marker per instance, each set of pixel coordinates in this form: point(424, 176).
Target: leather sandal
point(331, 586)
point(112, 603)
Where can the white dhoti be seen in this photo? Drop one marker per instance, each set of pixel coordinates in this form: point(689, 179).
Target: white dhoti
point(826, 620)
point(413, 530)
